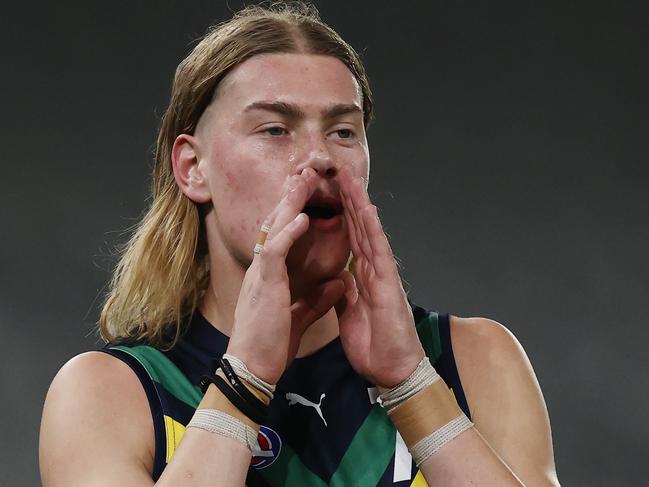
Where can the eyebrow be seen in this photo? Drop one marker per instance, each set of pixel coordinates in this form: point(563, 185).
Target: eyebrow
point(291, 110)
point(342, 109)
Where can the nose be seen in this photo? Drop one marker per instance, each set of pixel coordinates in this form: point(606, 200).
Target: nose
point(316, 155)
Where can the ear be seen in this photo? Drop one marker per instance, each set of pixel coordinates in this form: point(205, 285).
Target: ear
point(189, 173)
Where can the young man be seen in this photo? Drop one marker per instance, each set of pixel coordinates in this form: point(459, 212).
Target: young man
point(259, 199)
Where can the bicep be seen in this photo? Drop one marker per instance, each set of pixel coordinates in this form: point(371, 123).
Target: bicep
point(505, 398)
point(96, 428)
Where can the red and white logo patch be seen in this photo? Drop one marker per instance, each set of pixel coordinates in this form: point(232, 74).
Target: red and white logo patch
point(270, 446)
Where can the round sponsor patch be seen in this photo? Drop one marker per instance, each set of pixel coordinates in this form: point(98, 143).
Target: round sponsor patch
point(270, 445)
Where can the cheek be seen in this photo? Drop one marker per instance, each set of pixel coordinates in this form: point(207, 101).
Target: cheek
point(355, 157)
point(231, 180)
point(240, 219)
point(248, 180)
point(364, 156)
point(246, 198)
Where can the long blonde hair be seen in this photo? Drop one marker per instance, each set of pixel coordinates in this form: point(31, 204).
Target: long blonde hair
point(164, 271)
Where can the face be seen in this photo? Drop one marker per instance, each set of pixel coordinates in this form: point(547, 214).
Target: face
point(271, 117)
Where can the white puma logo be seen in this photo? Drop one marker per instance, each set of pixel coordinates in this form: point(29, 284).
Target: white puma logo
point(297, 399)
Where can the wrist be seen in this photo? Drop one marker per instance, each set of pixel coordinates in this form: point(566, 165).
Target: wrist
point(424, 411)
point(260, 368)
point(420, 375)
point(400, 372)
point(215, 399)
point(258, 386)
point(234, 404)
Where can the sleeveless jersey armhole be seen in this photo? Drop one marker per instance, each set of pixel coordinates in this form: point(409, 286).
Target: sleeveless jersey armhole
point(448, 365)
point(157, 413)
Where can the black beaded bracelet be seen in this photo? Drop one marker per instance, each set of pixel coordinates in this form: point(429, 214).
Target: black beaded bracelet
point(232, 396)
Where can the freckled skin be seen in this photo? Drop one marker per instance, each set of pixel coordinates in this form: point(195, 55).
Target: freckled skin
point(247, 167)
point(231, 181)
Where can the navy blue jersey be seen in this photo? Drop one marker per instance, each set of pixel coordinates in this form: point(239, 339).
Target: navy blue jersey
point(324, 427)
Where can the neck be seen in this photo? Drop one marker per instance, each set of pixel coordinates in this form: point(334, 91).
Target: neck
point(220, 301)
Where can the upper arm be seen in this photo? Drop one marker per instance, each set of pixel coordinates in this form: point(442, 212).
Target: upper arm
point(505, 398)
point(96, 428)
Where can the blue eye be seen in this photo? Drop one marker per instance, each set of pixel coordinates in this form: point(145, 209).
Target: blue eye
point(344, 133)
point(276, 131)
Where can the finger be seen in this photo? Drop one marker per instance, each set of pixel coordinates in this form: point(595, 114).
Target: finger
point(272, 260)
point(287, 209)
point(286, 187)
point(384, 263)
point(349, 221)
point(351, 217)
point(351, 230)
point(267, 225)
point(357, 205)
point(348, 182)
point(300, 189)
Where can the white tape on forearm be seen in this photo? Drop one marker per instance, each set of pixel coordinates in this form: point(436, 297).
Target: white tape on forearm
point(223, 424)
point(436, 440)
point(423, 376)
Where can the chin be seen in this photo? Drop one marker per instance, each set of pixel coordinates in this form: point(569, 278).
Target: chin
point(315, 264)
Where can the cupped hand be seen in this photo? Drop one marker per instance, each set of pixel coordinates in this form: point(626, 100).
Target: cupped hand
point(377, 329)
point(267, 326)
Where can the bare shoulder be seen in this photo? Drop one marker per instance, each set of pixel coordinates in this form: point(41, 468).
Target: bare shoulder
point(490, 361)
point(96, 427)
point(482, 341)
point(504, 396)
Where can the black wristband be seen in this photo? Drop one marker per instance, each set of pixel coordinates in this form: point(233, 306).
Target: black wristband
point(232, 396)
point(243, 391)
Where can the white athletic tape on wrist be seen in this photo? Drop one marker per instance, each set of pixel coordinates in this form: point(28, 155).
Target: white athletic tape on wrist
point(425, 447)
point(223, 424)
point(423, 376)
point(243, 373)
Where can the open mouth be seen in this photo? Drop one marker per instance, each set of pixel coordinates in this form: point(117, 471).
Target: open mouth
point(322, 207)
point(323, 212)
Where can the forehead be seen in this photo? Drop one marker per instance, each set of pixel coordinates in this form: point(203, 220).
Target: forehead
point(311, 81)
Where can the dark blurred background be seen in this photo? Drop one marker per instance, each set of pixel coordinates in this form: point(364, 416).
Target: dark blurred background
point(509, 159)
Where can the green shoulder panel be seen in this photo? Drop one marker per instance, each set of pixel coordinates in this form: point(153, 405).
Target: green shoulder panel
point(164, 372)
point(428, 331)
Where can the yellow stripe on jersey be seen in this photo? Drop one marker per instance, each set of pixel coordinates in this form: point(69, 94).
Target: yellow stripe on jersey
point(419, 481)
point(174, 431)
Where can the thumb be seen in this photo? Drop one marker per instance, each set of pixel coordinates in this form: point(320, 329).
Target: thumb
point(350, 296)
point(315, 304)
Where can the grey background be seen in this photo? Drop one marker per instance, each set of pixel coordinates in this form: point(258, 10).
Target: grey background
point(509, 161)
